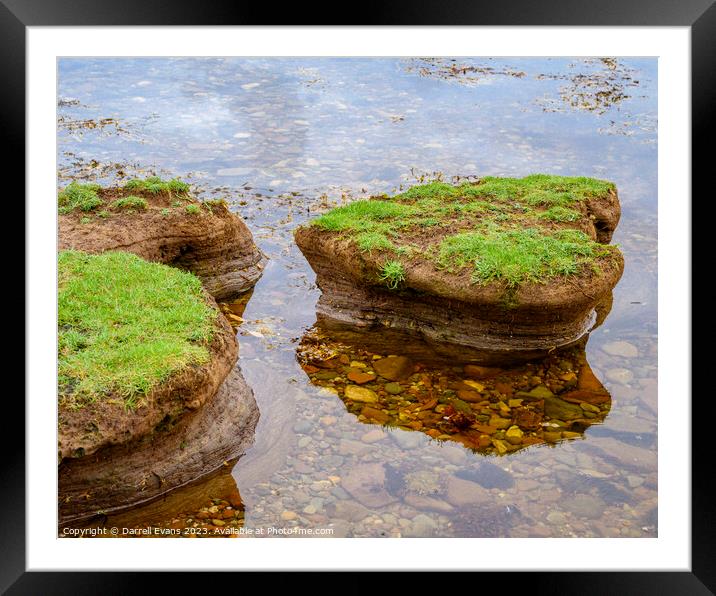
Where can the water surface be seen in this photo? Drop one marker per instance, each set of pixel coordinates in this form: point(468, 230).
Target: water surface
point(285, 139)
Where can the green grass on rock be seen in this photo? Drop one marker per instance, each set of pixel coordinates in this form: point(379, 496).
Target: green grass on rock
point(125, 325)
point(503, 228)
point(393, 274)
point(516, 256)
point(87, 198)
point(130, 203)
point(76, 196)
point(155, 185)
point(560, 214)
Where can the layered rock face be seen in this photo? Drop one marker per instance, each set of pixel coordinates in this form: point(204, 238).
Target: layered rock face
point(113, 458)
point(115, 455)
point(196, 444)
point(482, 273)
point(203, 238)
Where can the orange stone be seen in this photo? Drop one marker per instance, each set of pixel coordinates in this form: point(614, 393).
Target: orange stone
point(329, 363)
point(429, 405)
point(309, 369)
point(484, 428)
point(504, 388)
point(484, 441)
point(466, 441)
point(375, 414)
point(468, 395)
point(360, 377)
point(481, 372)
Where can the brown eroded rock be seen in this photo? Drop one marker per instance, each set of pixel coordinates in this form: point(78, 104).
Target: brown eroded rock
point(438, 314)
point(202, 417)
point(199, 443)
point(214, 243)
point(106, 422)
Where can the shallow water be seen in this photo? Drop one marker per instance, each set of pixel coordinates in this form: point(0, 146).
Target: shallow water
point(284, 139)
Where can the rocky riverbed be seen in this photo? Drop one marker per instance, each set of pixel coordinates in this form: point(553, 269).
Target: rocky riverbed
point(489, 410)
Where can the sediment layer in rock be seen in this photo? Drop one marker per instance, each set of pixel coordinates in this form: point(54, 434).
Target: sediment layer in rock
point(210, 241)
point(435, 311)
point(162, 512)
point(106, 422)
point(117, 478)
point(112, 457)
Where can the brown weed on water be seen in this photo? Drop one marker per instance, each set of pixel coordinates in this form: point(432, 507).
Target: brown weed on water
point(606, 86)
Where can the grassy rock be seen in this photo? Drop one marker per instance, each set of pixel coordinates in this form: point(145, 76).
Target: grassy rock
point(160, 221)
point(149, 398)
point(490, 272)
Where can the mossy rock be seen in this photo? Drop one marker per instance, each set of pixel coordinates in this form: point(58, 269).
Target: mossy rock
point(125, 324)
point(525, 260)
point(509, 231)
point(161, 221)
point(139, 343)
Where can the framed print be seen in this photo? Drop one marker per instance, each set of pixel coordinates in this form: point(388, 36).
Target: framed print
point(300, 302)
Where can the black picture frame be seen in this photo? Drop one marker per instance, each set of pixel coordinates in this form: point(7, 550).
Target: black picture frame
point(17, 15)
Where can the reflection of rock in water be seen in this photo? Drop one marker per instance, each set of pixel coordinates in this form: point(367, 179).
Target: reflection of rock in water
point(210, 507)
point(120, 477)
point(489, 410)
